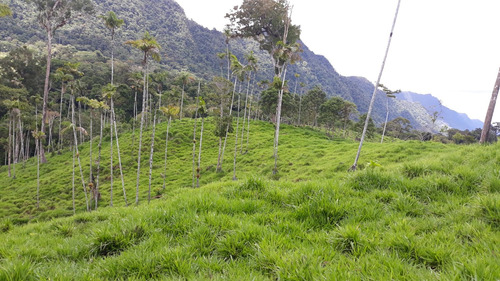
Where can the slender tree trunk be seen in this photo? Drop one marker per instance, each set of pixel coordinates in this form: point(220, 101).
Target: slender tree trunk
point(111, 157)
point(21, 135)
point(14, 148)
point(491, 109)
point(199, 154)
point(248, 126)
point(63, 89)
point(227, 127)
point(118, 151)
point(355, 165)
point(135, 119)
point(278, 121)
point(245, 114)
point(9, 145)
point(219, 165)
point(236, 138)
point(99, 159)
point(82, 137)
point(194, 132)
point(140, 140)
point(166, 151)
point(386, 119)
point(151, 152)
point(51, 126)
point(37, 142)
point(182, 101)
point(91, 141)
point(112, 56)
point(77, 153)
point(46, 91)
point(73, 184)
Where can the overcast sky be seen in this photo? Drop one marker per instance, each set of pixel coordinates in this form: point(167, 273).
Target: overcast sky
point(447, 48)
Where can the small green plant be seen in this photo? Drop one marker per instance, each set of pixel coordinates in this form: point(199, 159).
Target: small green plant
point(348, 240)
point(6, 225)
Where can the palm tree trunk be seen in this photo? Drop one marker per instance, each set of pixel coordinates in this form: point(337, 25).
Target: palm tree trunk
point(135, 119)
point(51, 126)
point(77, 153)
point(245, 114)
point(248, 127)
point(166, 151)
point(219, 164)
point(73, 184)
point(151, 152)
point(140, 141)
point(227, 127)
point(182, 101)
point(118, 151)
point(82, 137)
point(199, 154)
point(236, 139)
point(9, 145)
point(46, 90)
point(99, 160)
point(355, 165)
point(386, 119)
point(37, 144)
point(491, 109)
point(194, 132)
point(91, 141)
point(278, 121)
point(111, 158)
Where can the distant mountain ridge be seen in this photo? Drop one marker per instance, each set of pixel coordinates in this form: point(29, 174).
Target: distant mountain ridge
point(187, 45)
point(452, 118)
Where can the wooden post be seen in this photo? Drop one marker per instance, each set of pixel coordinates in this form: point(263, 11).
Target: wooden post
point(491, 109)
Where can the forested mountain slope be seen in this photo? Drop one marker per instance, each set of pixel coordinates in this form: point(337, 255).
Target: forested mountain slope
point(189, 46)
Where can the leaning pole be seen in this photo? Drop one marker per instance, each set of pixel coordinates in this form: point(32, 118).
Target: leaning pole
point(355, 165)
point(491, 109)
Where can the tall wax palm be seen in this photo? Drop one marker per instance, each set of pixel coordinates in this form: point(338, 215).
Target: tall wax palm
point(108, 92)
point(367, 120)
point(249, 68)
point(388, 94)
point(194, 131)
point(136, 80)
point(102, 108)
point(237, 71)
point(185, 78)
point(37, 135)
point(151, 151)
point(170, 112)
point(52, 15)
point(65, 74)
point(75, 143)
point(202, 112)
point(148, 45)
point(112, 22)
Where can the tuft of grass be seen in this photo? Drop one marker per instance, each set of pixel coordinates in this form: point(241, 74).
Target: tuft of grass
point(322, 210)
point(108, 242)
point(489, 210)
point(348, 240)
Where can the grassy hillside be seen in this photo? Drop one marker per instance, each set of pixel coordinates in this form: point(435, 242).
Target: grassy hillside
point(428, 211)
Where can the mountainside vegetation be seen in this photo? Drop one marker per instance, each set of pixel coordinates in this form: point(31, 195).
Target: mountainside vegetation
point(191, 47)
